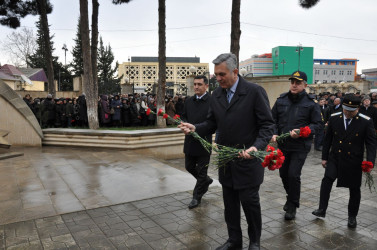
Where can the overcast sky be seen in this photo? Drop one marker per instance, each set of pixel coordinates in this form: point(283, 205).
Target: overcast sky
point(335, 28)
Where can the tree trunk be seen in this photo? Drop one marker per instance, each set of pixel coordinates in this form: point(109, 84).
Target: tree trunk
point(161, 123)
point(236, 30)
point(42, 7)
point(95, 5)
point(89, 88)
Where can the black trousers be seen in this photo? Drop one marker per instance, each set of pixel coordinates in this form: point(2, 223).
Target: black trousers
point(249, 199)
point(197, 166)
point(326, 186)
point(290, 174)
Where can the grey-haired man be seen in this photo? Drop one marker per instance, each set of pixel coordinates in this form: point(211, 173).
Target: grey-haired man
point(240, 112)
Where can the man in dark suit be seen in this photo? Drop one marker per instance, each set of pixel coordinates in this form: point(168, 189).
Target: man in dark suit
point(240, 112)
point(337, 107)
point(342, 155)
point(292, 110)
point(196, 157)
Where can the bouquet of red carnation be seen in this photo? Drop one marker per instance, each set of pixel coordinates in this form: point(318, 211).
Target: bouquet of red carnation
point(303, 132)
point(273, 160)
point(366, 167)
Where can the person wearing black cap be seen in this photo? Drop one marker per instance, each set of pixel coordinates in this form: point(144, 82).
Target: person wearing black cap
point(293, 110)
point(342, 155)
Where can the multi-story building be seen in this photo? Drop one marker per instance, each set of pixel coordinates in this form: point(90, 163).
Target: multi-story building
point(258, 65)
point(140, 74)
point(334, 70)
point(287, 59)
point(371, 75)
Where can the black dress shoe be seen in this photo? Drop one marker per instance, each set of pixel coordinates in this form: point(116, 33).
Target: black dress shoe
point(230, 246)
point(254, 246)
point(291, 212)
point(194, 203)
point(319, 213)
point(352, 223)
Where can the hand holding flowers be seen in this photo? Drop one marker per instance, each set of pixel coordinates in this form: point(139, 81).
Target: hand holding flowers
point(366, 167)
point(303, 132)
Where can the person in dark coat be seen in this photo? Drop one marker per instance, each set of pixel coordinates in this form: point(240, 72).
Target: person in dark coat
point(48, 112)
point(293, 110)
point(320, 132)
point(343, 153)
point(134, 110)
point(367, 109)
point(125, 113)
point(196, 157)
point(179, 106)
point(241, 113)
point(69, 111)
point(83, 112)
point(116, 104)
point(336, 107)
point(105, 111)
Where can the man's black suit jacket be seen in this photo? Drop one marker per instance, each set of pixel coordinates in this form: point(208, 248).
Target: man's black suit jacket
point(244, 122)
point(195, 111)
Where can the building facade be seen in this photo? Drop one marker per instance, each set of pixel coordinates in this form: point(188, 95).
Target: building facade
point(140, 74)
point(23, 78)
point(258, 65)
point(287, 59)
point(334, 70)
point(371, 75)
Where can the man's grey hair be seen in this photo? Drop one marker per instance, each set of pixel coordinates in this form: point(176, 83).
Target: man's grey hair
point(229, 58)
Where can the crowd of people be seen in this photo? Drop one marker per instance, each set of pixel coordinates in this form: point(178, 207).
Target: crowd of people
point(124, 110)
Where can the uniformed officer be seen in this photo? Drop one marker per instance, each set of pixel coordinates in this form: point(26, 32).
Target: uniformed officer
point(342, 155)
point(293, 110)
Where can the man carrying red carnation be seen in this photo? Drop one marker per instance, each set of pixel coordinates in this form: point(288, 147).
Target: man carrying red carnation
point(342, 155)
point(296, 113)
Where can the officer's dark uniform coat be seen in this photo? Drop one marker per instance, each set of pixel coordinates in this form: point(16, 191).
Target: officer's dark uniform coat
point(344, 149)
point(244, 122)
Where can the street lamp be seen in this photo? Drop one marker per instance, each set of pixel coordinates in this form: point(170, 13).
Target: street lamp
point(192, 70)
point(284, 62)
point(299, 49)
point(65, 53)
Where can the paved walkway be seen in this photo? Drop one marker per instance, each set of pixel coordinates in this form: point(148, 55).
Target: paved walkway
point(120, 200)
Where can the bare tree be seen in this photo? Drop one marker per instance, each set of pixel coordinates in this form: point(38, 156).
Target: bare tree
point(89, 88)
point(236, 30)
point(19, 45)
point(161, 60)
point(94, 47)
point(43, 9)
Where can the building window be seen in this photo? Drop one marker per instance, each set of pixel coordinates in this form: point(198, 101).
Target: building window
point(325, 71)
point(324, 81)
point(349, 72)
point(276, 53)
point(341, 72)
point(332, 81)
point(317, 71)
point(276, 66)
point(333, 72)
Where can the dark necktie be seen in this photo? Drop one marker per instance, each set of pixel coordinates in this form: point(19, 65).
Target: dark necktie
point(229, 95)
point(347, 122)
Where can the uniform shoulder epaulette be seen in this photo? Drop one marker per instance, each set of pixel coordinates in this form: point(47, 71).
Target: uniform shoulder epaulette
point(337, 113)
point(364, 116)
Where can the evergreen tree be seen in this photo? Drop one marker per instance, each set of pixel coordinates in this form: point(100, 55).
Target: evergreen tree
point(108, 83)
point(37, 60)
point(77, 63)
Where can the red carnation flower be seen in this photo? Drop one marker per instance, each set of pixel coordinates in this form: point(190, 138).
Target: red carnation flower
point(176, 117)
point(148, 111)
point(305, 132)
point(160, 112)
point(165, 116)
point(366, 166)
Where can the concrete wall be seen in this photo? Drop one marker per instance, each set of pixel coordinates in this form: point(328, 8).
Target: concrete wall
point(16, 117)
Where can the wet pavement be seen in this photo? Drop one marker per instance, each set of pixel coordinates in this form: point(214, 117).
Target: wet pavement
point(62, 198)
